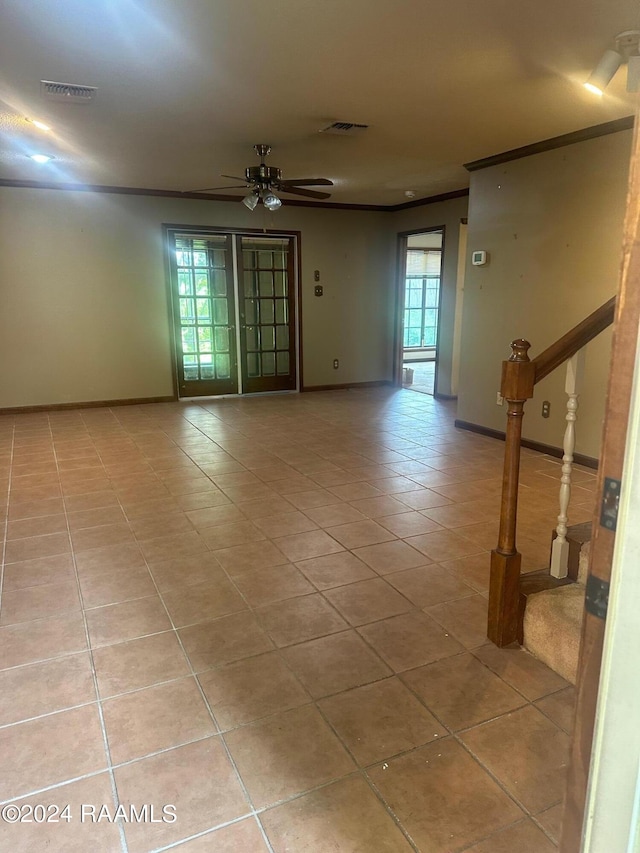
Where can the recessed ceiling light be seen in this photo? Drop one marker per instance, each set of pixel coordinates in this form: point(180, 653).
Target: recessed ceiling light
point(39, 124)
point(41, 158)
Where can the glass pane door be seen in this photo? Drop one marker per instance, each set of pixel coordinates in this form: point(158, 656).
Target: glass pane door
point(267, 313)
point(204, 315)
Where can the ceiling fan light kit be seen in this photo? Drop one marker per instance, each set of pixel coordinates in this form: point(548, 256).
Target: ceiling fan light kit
point(263, 181)
point(626, 50)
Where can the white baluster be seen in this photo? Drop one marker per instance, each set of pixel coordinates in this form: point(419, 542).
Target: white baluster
point(560, 547)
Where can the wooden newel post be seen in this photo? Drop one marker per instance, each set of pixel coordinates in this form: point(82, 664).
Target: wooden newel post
point(518, 379)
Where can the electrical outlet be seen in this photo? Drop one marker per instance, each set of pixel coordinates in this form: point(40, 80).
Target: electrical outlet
point(499, 399)
point(546, 409)
point(336, 364)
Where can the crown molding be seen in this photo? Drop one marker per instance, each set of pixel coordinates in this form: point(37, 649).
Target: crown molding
point(586, 133)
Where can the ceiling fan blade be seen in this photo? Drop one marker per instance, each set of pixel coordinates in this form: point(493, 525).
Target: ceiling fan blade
point(307, 182)
point(298, 191)
point(234, 178)
point(211, 189)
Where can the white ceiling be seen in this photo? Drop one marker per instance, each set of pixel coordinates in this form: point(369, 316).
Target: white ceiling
point(186, 87)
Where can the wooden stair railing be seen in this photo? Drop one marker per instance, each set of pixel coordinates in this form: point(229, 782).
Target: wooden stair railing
point(519, 377)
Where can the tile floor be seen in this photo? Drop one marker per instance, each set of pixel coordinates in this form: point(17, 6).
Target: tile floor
point(423, 376)
point(270, 614)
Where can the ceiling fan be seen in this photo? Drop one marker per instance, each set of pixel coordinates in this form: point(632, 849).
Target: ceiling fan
point(264, 180)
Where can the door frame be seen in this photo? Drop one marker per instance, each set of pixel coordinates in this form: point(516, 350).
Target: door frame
point(586, 754)
point(170, 228)
point(401, 266)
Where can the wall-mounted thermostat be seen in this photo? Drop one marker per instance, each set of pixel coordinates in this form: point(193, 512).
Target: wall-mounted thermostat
point(478, 259)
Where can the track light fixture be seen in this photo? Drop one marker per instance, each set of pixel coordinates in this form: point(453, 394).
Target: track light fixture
point(626, 50)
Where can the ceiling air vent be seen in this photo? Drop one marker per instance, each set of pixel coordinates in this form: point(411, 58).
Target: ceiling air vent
point(70, 93)
point(344, 128)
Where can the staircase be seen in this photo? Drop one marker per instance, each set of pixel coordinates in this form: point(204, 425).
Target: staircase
point(552, 622)
point(543, 611)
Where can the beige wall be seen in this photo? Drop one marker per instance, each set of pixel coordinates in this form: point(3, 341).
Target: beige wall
point(84, 313)
point(552, 225)
point(447, 214)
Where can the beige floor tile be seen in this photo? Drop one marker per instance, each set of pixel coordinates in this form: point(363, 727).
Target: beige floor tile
point(213, 516)
point(312, 498)
point(410, 640)
point(334, 514)
point(49, 750)
point(110, 558)
point(367, 601)
point(39, 602)
point(465, 618)
point(185, 571)
point(380, 720)
point(355, 491)
point(41, 688)
point(117, 623)
point(388, 557)
point(473, 570)
point(273, 583)
point(287, 755)
point(113, 587)
point(139, 663)
point(153, 527)
point(358, 534)
point(345, 816)
point(533, 768)
point(427, 586)
point(76, 835)
point(335, 570)
point(33, 547)
point(443, 797)
point(239, 837)
point(155, 718)
point(560, 707)
point(33, 509)
point(250, 689)
point(524, 836)
point(224, 640)
point(173, 547)
point(425, 498)
point(285, 524)
point(202, 602)
point(198, 779)
point(334, 663)
point(28, 527)
point(228, 535)
point(551, 821)
point(521, 670)
point(408, 523)
point(84, 519)
point(305, 546)
point(298, 619)
point(43, 639)
point(255, 555)
point(442, 545)
point(461, 691)
point(39, 571)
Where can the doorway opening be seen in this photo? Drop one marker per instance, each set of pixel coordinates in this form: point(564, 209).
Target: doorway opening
point(421, 274)
point(234, 304)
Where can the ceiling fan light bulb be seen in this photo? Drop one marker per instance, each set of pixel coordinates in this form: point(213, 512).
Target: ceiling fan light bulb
point(271, 201)
point(251, 200)
point(604, 72)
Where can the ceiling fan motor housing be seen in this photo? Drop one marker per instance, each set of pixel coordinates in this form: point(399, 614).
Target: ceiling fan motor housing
point(263, 174)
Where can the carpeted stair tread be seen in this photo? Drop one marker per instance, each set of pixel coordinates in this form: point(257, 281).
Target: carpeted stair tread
point(552, 627)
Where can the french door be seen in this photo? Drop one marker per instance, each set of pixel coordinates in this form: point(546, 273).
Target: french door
point(234, 313)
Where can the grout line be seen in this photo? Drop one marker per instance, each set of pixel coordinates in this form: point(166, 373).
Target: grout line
point(114, 789)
